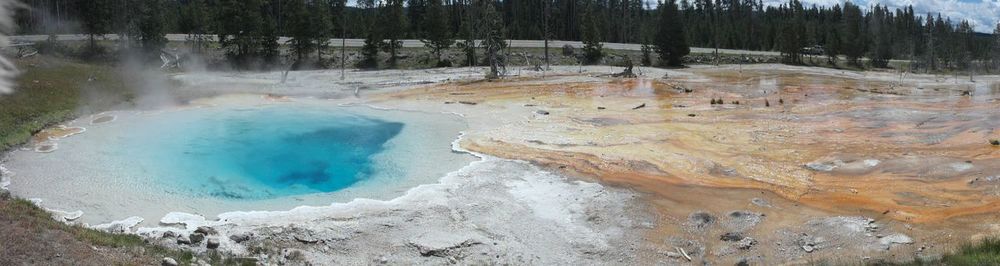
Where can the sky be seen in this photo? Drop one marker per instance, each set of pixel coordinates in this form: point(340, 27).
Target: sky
point(983, 14)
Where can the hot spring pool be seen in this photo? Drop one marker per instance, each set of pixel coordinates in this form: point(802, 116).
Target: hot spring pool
point(258, 153)
point(210, 160)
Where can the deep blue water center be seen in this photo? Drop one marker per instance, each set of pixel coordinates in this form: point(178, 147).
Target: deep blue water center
point(266, 152)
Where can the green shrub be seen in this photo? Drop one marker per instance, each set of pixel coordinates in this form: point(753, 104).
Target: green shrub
point(986, 252)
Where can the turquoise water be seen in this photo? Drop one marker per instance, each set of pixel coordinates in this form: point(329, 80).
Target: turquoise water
point(259, 153)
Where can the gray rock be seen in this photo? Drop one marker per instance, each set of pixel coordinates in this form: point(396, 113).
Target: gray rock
point(440, 244)
point(183, 240)
point(809, 248)
point(745, 243)
point(241, 237)
point(196, 238)
point(168, 262)
point(213, 243)
point(732, 236)
point(542, 112)
point(701, 220)
point(205, 230)
point(306, 237)
point(169, 234)
point(895, 239)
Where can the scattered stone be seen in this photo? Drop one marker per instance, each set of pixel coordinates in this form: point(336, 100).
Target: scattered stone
point(746, 243)
point(895, 239)
point(183, 240)
point(700, 219)
point(671, 254)
point(601, 108)
point(639, 106)
point(542, 112)
point(822, 167)
point(213, 243)
point(440, 244)
point(168, 262)
point(205, 230)
point(196, 238)
point(740, 221)
point(731, 236)
point(306, 238)
point(995, 142)
point(241, 237)
point(467, 103)
point(692, 115)
point(809, 248)
point(169, 234)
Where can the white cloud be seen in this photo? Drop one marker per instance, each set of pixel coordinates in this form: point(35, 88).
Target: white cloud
point(983, 14)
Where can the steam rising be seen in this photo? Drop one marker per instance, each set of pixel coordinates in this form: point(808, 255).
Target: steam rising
point(7, 69)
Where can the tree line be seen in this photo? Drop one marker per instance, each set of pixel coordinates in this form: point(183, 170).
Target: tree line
point(248, 29)
point(876, 32)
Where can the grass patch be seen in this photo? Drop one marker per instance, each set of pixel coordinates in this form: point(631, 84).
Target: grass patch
point(50, 91)
point(985, 252)
point(20, 214)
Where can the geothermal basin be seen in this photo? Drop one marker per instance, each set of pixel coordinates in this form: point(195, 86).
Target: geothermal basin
point(797, 165)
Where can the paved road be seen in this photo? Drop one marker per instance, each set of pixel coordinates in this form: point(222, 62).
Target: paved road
point(406, 43)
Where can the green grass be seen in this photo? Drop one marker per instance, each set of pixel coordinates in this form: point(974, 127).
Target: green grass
point(985, 252)
point(50, 91)
point(37, 220)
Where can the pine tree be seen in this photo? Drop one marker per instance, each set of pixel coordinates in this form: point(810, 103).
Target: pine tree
point(394, 27)
point(97, 19)
point(792, 36)
point(669, 39)
point(151, 35)
point(592, 48)
point(853, 34)
point(300, 28)
point(493, 39)
point(468, 30)
point(320, 12)
point(417, 12)
point(246, 33)
point(194, 21)
point(832, 46)
point(881, 36)
point(372, 33)
point(437, 35)
point(995, 51)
